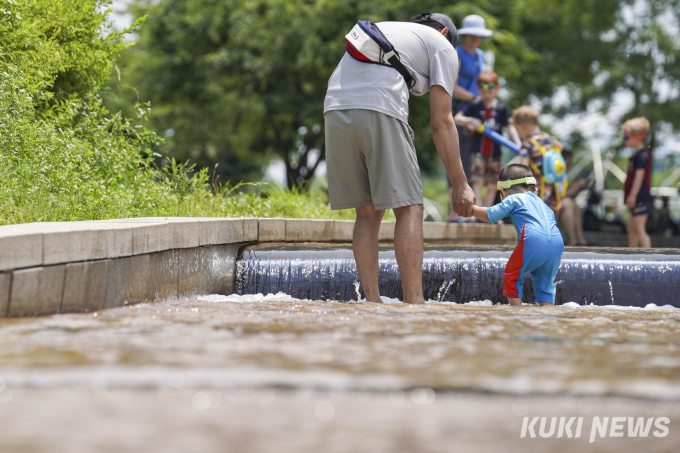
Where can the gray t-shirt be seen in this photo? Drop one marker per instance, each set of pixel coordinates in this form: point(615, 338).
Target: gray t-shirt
point(423, 50)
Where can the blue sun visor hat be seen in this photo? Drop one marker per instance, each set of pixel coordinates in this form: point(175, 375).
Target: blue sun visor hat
point(443, 20)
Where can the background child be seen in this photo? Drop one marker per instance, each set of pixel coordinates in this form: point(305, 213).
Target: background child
point(485, 155)
point(636, 192)
point(534, 143)
point(539, 242)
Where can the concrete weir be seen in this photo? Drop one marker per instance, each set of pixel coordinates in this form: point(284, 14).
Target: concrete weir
point(59, 267)
point(63, 267)
point(600, 276)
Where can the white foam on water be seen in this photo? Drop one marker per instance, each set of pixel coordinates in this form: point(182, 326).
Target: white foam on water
point(282, 297)
point(389, 300)
point(236, 298)
point(646, 307)
point(479, 303)
point(620, 307)
point(474, 303)
point(278, 297)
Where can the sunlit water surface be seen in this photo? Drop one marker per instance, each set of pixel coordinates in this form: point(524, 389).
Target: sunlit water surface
point(272, 373)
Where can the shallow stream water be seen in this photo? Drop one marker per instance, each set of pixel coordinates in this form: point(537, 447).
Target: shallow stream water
point(273, 373)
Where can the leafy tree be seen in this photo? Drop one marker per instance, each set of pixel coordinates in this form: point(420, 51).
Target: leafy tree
point(61, 154)
point(238, 82)
point(60, 45)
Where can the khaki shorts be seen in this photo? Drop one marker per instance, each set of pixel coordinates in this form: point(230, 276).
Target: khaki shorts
point(370, 159)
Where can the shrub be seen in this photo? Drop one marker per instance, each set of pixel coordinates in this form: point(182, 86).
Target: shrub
point(63, 156)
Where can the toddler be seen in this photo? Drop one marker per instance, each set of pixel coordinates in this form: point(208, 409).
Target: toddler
point(539, 242)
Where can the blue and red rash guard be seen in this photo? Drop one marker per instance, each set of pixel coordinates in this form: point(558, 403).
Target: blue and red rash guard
point(539, 245)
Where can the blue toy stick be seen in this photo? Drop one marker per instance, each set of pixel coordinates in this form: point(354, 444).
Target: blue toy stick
point(498, 138)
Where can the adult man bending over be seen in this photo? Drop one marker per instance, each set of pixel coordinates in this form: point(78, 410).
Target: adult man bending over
point(370, 155)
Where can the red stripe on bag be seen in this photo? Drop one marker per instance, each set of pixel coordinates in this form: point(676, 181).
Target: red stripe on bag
point(513, 269)
point(355, 53)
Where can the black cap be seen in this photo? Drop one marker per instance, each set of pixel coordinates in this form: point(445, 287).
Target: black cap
point(443, 20)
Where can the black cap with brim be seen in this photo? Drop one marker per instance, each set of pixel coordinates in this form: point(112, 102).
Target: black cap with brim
point(443, 20)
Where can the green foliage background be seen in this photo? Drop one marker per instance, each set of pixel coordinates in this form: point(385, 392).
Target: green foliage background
point(64, 156)
point(240, 82)
point(236, 80)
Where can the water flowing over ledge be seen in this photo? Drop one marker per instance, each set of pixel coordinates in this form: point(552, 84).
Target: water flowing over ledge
point(461, 274)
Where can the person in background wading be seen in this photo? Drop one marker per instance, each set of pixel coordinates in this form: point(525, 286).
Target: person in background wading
point(471, 64)
point(637, 190)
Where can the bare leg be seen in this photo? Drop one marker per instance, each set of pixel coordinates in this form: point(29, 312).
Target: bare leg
point(408, 248)
point(578, 215)
point(632, 232)
point(568, 222)
point(640, 223)
point(545, 304)
point(365, 247)
point(515, 301)
point(490, 195)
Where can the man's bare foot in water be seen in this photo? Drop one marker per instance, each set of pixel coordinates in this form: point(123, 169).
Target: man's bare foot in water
point(373, 296)
point(415, 301)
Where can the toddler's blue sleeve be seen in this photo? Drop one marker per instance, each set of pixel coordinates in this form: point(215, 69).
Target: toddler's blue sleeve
point(502, 209)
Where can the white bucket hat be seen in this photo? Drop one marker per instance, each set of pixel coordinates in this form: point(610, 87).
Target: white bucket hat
point(475, 25)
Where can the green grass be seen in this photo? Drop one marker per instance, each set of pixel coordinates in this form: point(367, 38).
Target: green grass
point(64, 157)
point(265, 200)
point(436, 189)
point(88, 165)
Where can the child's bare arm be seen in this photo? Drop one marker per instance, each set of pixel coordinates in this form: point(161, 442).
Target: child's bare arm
point(462, 120)
point(635, 189)
point(480, 213)
point(514, 135)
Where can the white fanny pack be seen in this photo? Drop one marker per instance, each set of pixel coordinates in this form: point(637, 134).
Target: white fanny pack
point(366, 43)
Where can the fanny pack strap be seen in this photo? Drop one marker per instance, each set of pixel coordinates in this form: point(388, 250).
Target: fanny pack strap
point(396, 63)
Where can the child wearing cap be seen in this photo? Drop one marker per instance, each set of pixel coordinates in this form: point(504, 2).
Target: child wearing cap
point(539, 242)
point(637, 194)
point(485, 154)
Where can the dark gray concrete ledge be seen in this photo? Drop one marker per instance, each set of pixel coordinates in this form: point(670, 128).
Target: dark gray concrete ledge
point(95, 285)
point(62, 267)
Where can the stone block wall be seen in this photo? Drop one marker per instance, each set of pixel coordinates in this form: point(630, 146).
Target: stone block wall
point(63, 267)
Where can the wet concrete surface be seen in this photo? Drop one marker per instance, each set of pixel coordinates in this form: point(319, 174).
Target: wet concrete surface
point(253, 373)
point(278, 420)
